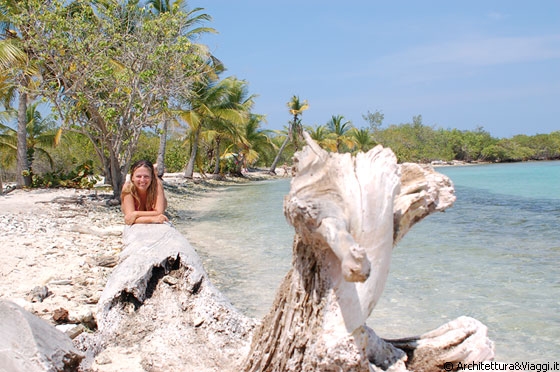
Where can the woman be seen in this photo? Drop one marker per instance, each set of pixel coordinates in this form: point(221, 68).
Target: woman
point(142, 198)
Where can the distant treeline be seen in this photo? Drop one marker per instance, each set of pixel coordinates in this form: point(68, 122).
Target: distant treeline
point(411, 142)
point(416, 142)
point(421, 143)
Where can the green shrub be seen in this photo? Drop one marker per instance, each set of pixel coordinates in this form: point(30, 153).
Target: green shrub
point(82, 177)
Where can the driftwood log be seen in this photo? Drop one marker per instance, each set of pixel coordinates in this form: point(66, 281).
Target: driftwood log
point(348, 213)
point(160, 312)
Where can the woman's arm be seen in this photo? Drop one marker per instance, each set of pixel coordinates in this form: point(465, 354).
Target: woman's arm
point(127, 207)
point(160, 218)
point(133, 217)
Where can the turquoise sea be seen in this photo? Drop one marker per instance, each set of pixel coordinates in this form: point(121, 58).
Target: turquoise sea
point(494, 256)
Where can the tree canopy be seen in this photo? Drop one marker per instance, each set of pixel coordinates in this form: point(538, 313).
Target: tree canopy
point(118, 73)
point(110, 67)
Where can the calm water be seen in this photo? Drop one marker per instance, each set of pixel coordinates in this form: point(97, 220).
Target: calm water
point(493, 256)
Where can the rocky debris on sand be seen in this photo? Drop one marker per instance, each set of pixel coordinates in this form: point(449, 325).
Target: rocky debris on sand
point(29, 344)
point(59, 246)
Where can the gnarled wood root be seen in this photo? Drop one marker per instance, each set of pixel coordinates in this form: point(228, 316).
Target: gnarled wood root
point(463, 340)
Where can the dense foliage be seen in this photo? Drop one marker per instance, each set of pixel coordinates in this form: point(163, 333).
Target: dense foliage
point(125, 80)
point(82, 177)
point(416, 142)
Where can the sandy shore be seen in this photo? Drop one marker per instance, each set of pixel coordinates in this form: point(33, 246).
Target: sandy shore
point(60, 245)
point(58, 248)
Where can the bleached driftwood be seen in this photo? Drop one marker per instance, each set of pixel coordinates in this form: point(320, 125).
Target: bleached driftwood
point(463, 340)
point(348, 212)
point(159, 309)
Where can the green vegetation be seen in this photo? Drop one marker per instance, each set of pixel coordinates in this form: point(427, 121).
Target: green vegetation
point(126, 80)
point(295, 130)
point(416, 142)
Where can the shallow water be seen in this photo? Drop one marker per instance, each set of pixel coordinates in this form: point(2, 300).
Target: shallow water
point(493, 256)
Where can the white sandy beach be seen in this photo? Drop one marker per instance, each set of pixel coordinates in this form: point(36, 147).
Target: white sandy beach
point(59, 246)
point(58, 243)
point(68, 240)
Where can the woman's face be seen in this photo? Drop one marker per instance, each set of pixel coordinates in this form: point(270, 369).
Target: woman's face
point(142, 178)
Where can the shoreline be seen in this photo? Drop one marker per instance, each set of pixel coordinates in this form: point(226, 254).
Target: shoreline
point(60, 245)
point(39, 250)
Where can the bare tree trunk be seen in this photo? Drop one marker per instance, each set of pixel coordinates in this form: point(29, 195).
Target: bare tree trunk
point(272, 169)
point(160, 306)
point(217, 155)
point(161, 151)
point(189, 169)
point(23, 175)
point(117, 176)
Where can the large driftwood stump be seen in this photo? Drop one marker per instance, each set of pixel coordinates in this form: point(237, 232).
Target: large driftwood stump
point(348, 212)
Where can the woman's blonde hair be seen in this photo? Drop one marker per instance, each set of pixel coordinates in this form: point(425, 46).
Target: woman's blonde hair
point(152, 189)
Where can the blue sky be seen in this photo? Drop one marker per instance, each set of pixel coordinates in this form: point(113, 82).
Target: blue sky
point(459, 64)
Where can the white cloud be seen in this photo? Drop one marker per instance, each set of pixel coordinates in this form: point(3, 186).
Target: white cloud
point(434, 62)
point(482, 52)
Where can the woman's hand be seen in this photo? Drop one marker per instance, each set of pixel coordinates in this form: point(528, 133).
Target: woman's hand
point(161, 218)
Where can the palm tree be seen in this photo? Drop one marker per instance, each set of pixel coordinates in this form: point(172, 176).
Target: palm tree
point(339, 131)
point(160, 7)
point(212, 102)
point(258, 143)
point(41, 135)
point(15, 64)
point(249, 146)
point(320, 134)
point(231, 127)
point(295, 128)
point(362, 139)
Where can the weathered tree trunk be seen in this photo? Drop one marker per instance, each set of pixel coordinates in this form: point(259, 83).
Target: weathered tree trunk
point(462, 340)
point(347, 212)
point(274, 164)
point(161, 151)
point(23, 175)
point(189, 169)
point(160, 307)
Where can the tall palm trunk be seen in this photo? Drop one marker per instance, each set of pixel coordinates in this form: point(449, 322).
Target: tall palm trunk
point(189, 170)
point(217, 151)
point(161, 152)
point(272, 169)
point(23, 175)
